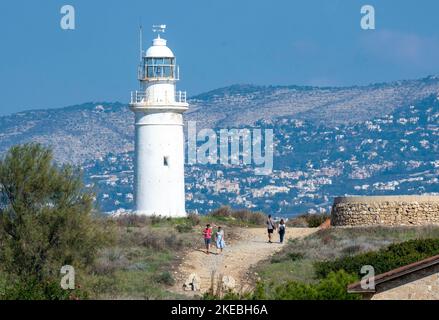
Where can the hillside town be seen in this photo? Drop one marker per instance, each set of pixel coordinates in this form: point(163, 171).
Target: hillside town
point(392, 154)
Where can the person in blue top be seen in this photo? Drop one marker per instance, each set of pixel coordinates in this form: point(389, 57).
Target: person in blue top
point(220, 242)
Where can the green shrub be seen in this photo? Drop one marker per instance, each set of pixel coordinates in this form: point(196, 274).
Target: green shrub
point(297, 222)
point(242, 216)
point(183, 228)
point(165, 278)
point(247, 216)
point(386, 259)
point(333, 287)
point(294, 256)
point(193, 219)
point(32, 289)
point(291, 256)
point(132, 220)
point(223, 212)
point(46, 220)
point(315, 220)
point(308, 220)
point(351, 250)
point(156, 220)
point(186, 226)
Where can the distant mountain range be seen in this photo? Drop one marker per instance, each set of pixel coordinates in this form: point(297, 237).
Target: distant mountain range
point(92, 130)
point(376, 139)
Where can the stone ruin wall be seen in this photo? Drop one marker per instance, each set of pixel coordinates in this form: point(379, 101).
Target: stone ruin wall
point(386, 210)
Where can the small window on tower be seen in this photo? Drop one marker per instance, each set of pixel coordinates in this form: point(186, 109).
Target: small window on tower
point(166, 161)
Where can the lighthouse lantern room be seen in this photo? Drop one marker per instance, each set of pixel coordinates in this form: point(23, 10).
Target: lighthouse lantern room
point(159, 139)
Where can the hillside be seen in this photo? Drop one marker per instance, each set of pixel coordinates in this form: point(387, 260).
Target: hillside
point(76, 134)
point(391, 154)
point(373, 140)
point(245, 104)
point(93, 130)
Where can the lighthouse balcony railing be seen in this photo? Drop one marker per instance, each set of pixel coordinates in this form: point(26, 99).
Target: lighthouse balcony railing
point(138, 97)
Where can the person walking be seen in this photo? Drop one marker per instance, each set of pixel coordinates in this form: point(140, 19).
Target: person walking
point(271, 226)
point(220, 242)
point(207, 235)
point(282, 230)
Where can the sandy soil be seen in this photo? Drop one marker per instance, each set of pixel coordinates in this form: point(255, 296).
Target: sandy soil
point(243, 250)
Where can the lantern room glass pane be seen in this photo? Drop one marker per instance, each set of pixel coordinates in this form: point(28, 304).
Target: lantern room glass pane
point(159, 61)
point(159, 67)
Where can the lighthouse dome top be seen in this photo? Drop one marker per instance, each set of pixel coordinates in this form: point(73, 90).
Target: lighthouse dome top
point(159, 49)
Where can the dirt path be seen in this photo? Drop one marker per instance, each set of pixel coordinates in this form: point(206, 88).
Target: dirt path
point(238, 257)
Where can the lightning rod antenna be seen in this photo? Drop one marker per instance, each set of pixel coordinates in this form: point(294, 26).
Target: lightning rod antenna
point(141, 41)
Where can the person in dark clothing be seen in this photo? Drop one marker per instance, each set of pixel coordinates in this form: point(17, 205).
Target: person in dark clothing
point(282, 230)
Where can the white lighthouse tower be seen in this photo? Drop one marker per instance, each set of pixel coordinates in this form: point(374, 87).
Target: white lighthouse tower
point(159, 145)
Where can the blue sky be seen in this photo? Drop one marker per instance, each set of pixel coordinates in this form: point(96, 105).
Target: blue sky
point(217, 43)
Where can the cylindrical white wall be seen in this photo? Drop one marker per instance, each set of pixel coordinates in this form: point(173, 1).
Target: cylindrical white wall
point(159, 188)
point(161, 92)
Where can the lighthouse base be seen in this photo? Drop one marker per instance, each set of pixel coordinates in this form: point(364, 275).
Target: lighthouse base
point(151, 213)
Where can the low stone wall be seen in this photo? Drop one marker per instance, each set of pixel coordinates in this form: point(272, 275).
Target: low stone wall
point(386, 210)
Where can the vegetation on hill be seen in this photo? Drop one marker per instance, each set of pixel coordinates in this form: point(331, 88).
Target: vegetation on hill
point(386, 259)
point(308, 220)
point(321, 265)
point(333, 287)
point(48, 220)
point(240, 217)
point(143, 261)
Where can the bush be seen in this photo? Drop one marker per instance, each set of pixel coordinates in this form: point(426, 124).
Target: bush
point(46, 218)
point(165, 278)
point(223, 212)
point(351, 250)
point(308, 220)
point(247, 216)
point(173, 242)
point(110, 260)
point(386, 259)
point(153, 240)
point(297, 222)
point(241, 216)
point(156, 240)
point(32, 289)
point(155, 220)
point(292, 256)
point(132, 220)
point(193, 219)
point(183, 228)
point(333, 287)
point(315, 220)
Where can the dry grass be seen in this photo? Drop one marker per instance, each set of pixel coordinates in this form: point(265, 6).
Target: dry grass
point(239, 217)
point(142, 261)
